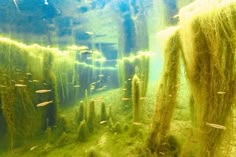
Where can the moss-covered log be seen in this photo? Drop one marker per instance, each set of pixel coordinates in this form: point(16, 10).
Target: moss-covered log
point(208, 38)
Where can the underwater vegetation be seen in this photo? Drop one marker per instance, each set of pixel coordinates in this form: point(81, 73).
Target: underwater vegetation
point(133, 39)
point(166, 94)
point(34, 80)
point(55, 103)
point(209, 59)
point(136, 95)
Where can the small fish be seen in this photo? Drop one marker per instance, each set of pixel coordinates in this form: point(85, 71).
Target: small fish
point(142, 98)
point(137, 123)
point(124, 89)
point(103, 122)
point(102, 88)
point(101, 75)
point(89, 33)
point(30, 81)
point(20, 85)
point(162, 153)
point(74, 47)
point(43, 91)
point(2, 86)
point(221, 92)
point(28, 74)
point(92, 87)
point(217, 126)
point(124, 99)
point(76, 86)
point(34, 147)
point(82, 48)
point(129, 79)
point(35, 80)
point(44, 103)
point(86, 52)
point(18, 70)
point(45, 84)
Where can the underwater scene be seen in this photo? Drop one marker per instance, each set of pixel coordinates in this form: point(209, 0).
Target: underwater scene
point(117, 78)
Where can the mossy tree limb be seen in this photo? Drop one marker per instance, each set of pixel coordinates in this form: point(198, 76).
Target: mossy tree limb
point(166, 94)
point(208, 38)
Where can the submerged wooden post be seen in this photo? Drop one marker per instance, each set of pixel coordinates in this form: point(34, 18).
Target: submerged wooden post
point(208, 40)
point(166, 94)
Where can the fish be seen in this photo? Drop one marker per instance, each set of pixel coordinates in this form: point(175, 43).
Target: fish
point(86, 52)
point(102, 88)
point(137, 123)
point(89, 33)
point(20, 85)
point(124, 89)
point(76, 86)
point(43, 91)
point(28, 74)
point(18, 70)
point(34, 147)
point(221, 92)
point(2, 86)
point(103, 122)
point(217, 126)
point(80, 48)
point(44, 103)
point(92, 87)
point(142, 98)
point(21, 81)
point(101, 75)
point(35, 80)
point(124, 99)
point(162, 153)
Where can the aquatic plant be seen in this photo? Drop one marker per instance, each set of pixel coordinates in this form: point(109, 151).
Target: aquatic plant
point(167, 92)
point(86, 104)
point(208, 40)
point(92, 153)
point(64, 68)
point(8, 112)
point(62, 140)
point(91, 116)
point(117, 127)
point(82, 132)
point(136, 95)
point(110, 112)
point(133, 38)
point(81, 114)
point(50, 80)
point(17, 101)
point(126, 127)
point(62, 125)
point(49, 135)
point(103, 116)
